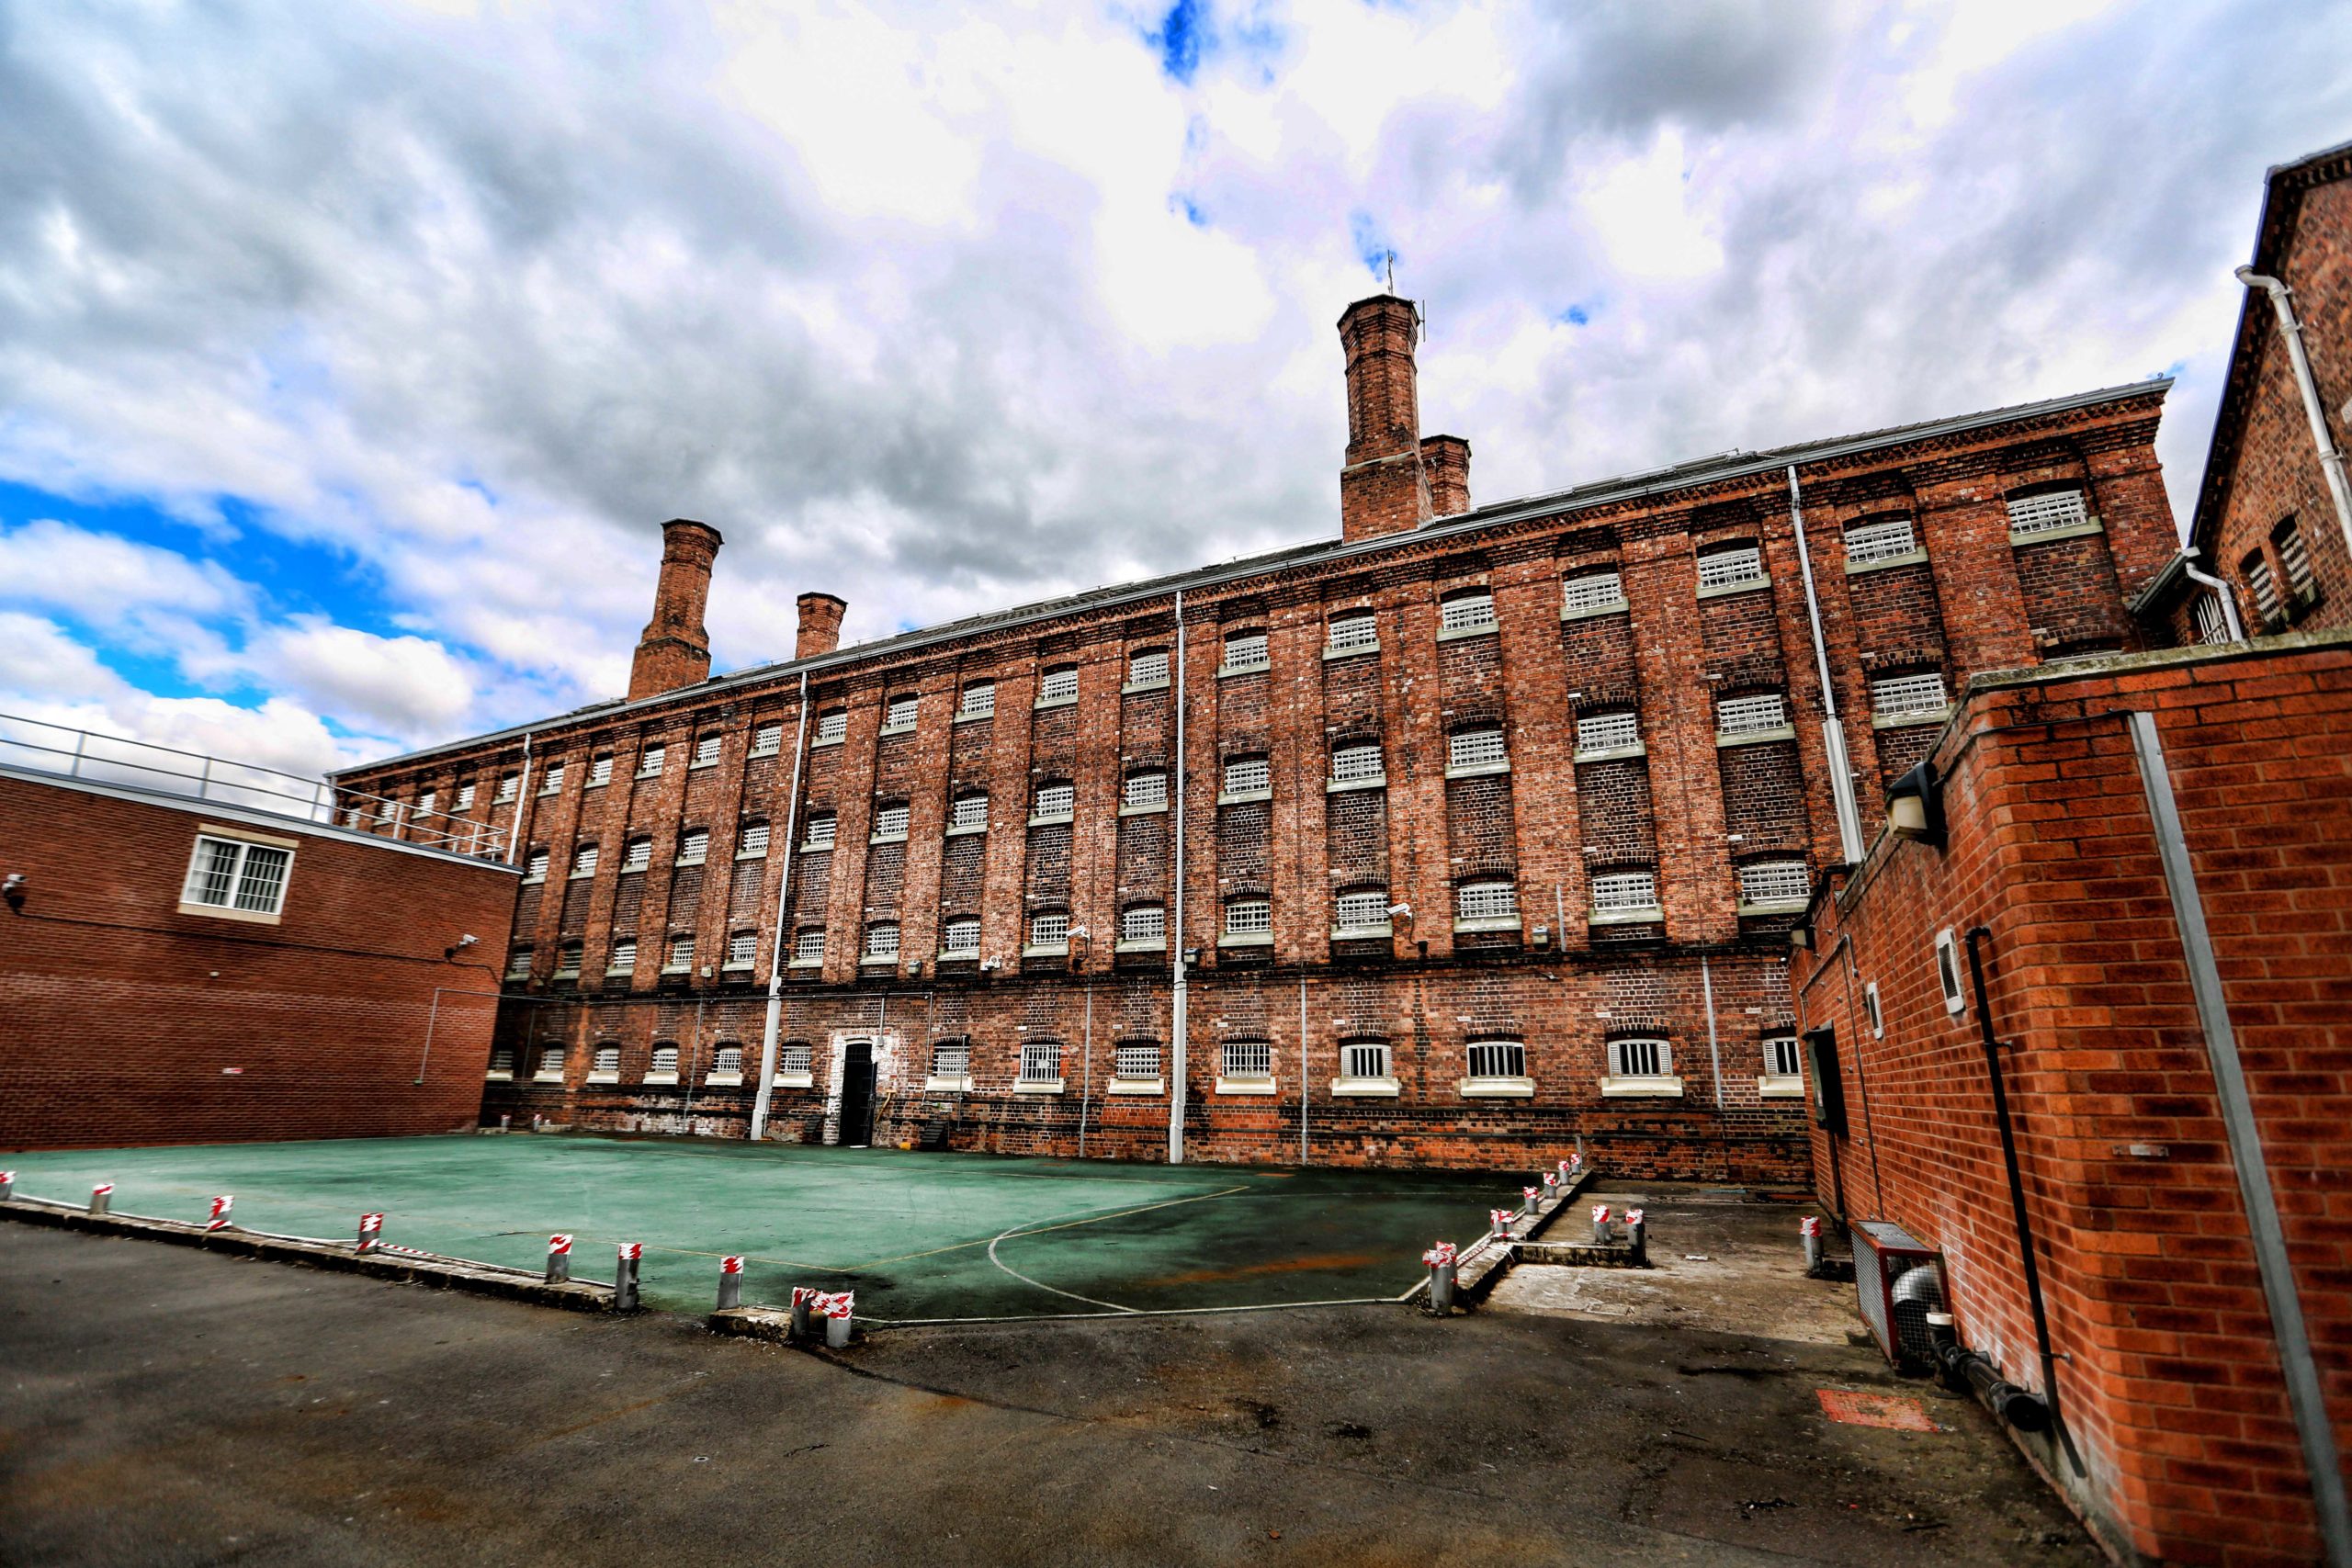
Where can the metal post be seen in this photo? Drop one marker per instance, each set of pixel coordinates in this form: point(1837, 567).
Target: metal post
point(630, 1253)
point(730, 1283)
point(1637, 1238)
point(1442, 1287)
point(838, 1322)
point(1811, 1230)
point(558, 1259)
point(1176, 948)
point(101, 1197)
point(797, 1328)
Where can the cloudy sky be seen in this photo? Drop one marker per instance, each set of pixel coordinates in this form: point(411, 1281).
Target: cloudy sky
point(350, 355)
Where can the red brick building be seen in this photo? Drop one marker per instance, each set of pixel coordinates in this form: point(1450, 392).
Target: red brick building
point(2148, 855)
point(176, 970)
point(1460, 839)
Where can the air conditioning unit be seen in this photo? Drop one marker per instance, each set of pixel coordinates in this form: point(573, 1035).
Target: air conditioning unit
point(1899, 1282)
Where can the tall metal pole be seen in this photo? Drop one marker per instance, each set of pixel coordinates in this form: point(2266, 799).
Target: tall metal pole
point(1176, 1005)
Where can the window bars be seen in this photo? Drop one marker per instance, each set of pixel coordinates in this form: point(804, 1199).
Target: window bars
point(2046, 512)
point(1466, 611)
point(1498, 1059)
point(1896, 696)
point(1357, 762)
point(1596, 591)
point(1616, 892)
point(1609, 731)
point(1750, 715)
point(1878, 539)
point(230, 873)
point(1739, 567)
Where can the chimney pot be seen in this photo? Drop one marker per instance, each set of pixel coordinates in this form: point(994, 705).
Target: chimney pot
point(675, 649)
point(1445, 459)
point(820, 625)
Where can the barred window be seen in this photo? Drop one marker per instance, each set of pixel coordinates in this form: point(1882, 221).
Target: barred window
point(753, 843)
point(636, 854)
point(792, 1058)
point(890, 820)
point(2264, 586)
point(1745, 715)
point(1135, 1059)
point(1619, 890)
point(1608, 731)
point(1897, 695)
point(1780, 1058)
point(729, 1061)
point(1640, 1058)
point(230, 874)
point(767, 739)
point(552, 1061)
point(518, 963)
point(1774, 882)
point(1480, 746)
point(743, 947)
point(951, 1058)
point(705, 750)
point(1464, 611)
point(1059, 684)
point(2288, 540)
point(808, 945)
point(1245, 775)
point(1352, 630)
point(1363, 906)
point(1498, 1059)
point(694, 846)
point(2212, 622)
point(1363, 1059)
point(551, 782)
point(649, 761)
point(502, 1060)
point(666, 1060)
point(1147, 667)
point(1248, 1059)
point(465, 798)
point(1878, 539)
point(1050, 928)
point(1595, 591)
point(1055, 797)
point(1488, 899)
point(1041, 1061)
point(882, 940)
point(978, 700)
point(534, 866)
point(599, 770)
point(832, 726)
point(506, 788)
point(1144, 922)
point(2050, 509)
point(682, 951)
point(1358, 760)
point(1245, 650)
point(960, 937)
point(607, 1059)
point(900, 712)
point(583, 861)
point(1144, 790)
point(1243, 916)
point(970, 811)
point(623, 958)
point(822, 825)
point(1725, 569)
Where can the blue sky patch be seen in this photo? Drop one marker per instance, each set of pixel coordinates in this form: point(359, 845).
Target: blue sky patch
point(1179, 38)
point(1372, 242)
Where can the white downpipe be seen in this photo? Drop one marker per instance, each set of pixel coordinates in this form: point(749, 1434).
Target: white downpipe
point(766, 1090)
point(522, 802)
point(1176, 1003)
point(2220, 590)
point(1302, 1069)
point(1714, 1050)
point(2330, 459)
point(1833, 733)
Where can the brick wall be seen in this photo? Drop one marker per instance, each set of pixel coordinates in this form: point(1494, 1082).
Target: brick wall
point(128, 1022)
point(2171, 1391)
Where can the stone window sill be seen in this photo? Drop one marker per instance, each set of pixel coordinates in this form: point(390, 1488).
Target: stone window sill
point(878, 959)
point(1246, 938)
point(1342, 787)
point(1618, 609)
point(1226, 672)
point(547, 1077)
point(200, 908)
point(663, 1079)
point(596, 784)
point(620, 974)
point(677, 969)
point(736, 966)
point(794, 1080)
point(974, 718)
point(1910, 720)
point(723, 1080)
point(820, 745)
point(1772, 1087)
point(1380, 933)
point(1756, 737)
point(815, 847)
point(967, 830)
point(1667, 1088)
point(1044, 703)
point(1724, 589)
point(1883, 563)
point(751, 854)
point(805, 963)
point(698, 860)
point(613, 1077)
point(1357, 652)
point(887, 839)
point(1037, 1086)
point(582, 875)
point(971, 957)
point(1045, 950)
point(254, 917)
point(1613, 753)
point(1479, 770)
point(2071, 530)
point(656, 773)
point(1366, 1088)
point(1776, 907)
point(1132, 687)
point(764, 751)
point(1486, 923)
point(1052, 818)
point(691, 767)
point(1497, 1088)
point(950, 1083)
point(1644, 917)
point(890, 729)
point(1137, 1086)
point(1143, 810)
point(1140, 945)
point(1456, 633)
point(1244, 796)
point(494, 1075)
point(1246, 1086)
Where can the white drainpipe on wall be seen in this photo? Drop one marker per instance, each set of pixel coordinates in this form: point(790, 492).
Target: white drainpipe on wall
point(1176, 1003)
point(766, 1090)
point(2330, 459)
point(1833, 733)
point(2220, 590)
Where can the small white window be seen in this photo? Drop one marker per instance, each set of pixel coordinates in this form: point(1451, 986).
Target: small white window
point(901, 713)
point(1049, 929)
point(1055, 798)
point(518, 963)
point(767, 739)
point(882, 941)
point(551, 782)
point(832, 726)
point(1488, 899)
point(1609, 732)
point(1774, 882)
point(951, 1059)
point(552, 1062)
point(606, 1062)
point(1135, 1059)
point(1498, 1059)
point(2288, 540)
point(1899, 696)
point(707, 752)
point(694, 846)
point(1742, 564)
point(1948, 971)
point(1363, 1059)
point(1478, 747)
point(1594, 591)
point(638, 855)
point(1878, 539)
point(424, 803)
point(728, 1062)
point(1147, 667)
point(666, 1060)
point(2265, 587)
point(649, 761)
point(230, 874)
point(960, 937)
point(1363, 908)
point(1248, 1059)
point(753, 842)
point(1041, 1061)
point(1871, 1011)
point(808, 945)
point(600, 771)
point(623, 959)
point(1640, 1059)
point(2030, 514)
point(1357, 762)
point(583, 861)
point(821, 830)
point(534, 865)
point(797, 1059)
point(1245, 650)
point(1059, 685)
point(969, 814)
point(2212, 622)
point(1352, 631)
point(354, 818)
point(502, 1061)
point(1144, 922)
point(1245, 775)
point(1749, 715)
point(682, 953)
point(890, 821)
point(1244, 916)
point(1781, 1059)
point(742, 948)
point(1618, 891)
point(507, 786)
point(1466, 611)
point(978, 700)
point(1145, 792)
point(465, 798)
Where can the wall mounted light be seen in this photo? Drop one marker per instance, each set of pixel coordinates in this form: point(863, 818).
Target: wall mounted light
point(1914, 808)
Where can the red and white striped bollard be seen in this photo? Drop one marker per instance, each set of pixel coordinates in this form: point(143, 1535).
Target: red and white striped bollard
point(371, 1230)
point(219, 1219)
point(730, 1283)
point(560, 1258)
point(101, 1197)
point(625, 1276)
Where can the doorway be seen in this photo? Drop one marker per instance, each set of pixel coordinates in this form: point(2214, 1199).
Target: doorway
point(857, 1095)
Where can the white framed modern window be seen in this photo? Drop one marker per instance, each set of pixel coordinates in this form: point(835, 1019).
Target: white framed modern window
point(551, 781)
point(1496, 1059)
point(636, 854)
point(1472, 609)
point(1041, 1061)
point(794, 1059)
point(1247, 917)
point(2047, 513)
point(889, 821)
point(682, 954)
point(1477, 747)
point(978, 700)
point(1147, 667)
point(752, 842)
point(1146, 791)
point(507, 787)
point(1059, 684)
point(622, 959)
point(881, 942)
point(1055, 798)
point(238, 877)
point(898, 714)
point(969, 814)
point(1248, 775)
point(1739, 567)
point(1878, 539)
point(1246, 1059)
point(1352, 631)
point(960, 937)
point(1486, 898)
point(1364, 1059)
point(1622, 892)
point(518, 963)
point(694, 846)
point(820, 834)
point(951, 1058)
point(706, 751)
point(767, 739)
point(465, 798)
point(534, 865)
point(1245, 650)
point(1905, 697)
point(1135, 1060)
point(742, 949)
point(1049, 929)
point(1144, 923)
point(832, 726)
point(1749, 715)
point(1362, 909)
point(1781, 1058)
point(649, 761)
point(1592, 593)
point(606, 1063)
point(583, 861)
point(1640, 1058)
point(808, 945)
point(1358, 762)
point(1774, 882)
point(1609, 731)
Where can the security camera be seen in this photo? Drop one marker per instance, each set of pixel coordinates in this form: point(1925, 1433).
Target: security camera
point(13, 889)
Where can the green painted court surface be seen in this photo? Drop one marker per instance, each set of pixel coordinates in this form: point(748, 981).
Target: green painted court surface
point(917, 1236)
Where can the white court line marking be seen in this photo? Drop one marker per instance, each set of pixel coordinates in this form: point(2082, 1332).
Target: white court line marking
point(1070, 1220)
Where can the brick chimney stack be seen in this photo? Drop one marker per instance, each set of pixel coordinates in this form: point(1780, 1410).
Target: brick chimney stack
point(1445, 463)
point(820, 625)
point(675, 651)
point(1394, 479)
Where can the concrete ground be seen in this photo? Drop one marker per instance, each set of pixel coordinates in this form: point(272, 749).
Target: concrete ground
point(160, 1405)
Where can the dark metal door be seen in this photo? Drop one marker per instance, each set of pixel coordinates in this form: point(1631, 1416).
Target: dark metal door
point(857, 1093)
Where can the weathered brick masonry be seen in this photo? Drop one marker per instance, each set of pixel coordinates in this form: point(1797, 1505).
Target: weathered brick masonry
point(127, 1019)
point(2183, 1444)
point(1479, 812)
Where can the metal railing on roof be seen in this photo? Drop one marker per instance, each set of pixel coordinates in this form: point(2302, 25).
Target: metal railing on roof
point(99, 758)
